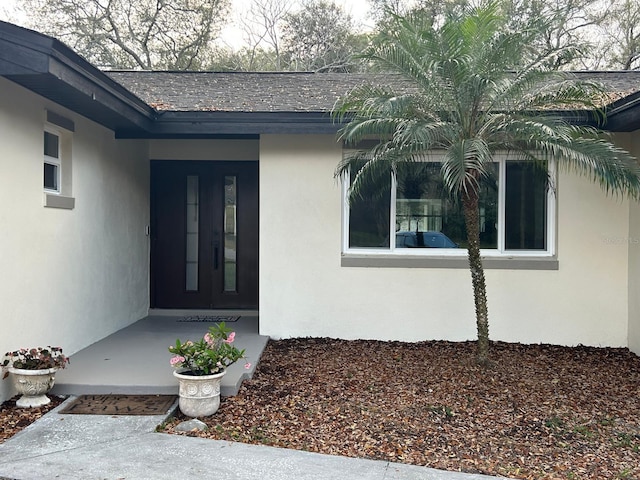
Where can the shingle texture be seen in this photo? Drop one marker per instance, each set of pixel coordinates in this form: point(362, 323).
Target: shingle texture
point(284, 92)
point(239, 92)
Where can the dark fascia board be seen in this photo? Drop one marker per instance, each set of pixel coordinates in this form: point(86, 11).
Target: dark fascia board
point(217, 124)
point(624, 115)
point(23, 52)
point(47, 66)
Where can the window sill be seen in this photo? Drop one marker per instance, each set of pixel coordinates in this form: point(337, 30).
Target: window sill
point(489, 263)
point(59, 201)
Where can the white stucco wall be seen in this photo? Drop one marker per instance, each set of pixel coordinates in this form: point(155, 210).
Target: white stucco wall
point(304, 291)
point(69, 277)
point(631, 141)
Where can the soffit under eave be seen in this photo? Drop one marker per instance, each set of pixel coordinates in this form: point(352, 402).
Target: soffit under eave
point(50, 69)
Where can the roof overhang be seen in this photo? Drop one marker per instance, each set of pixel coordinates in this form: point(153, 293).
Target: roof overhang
point(624, 115)
point(49, 68)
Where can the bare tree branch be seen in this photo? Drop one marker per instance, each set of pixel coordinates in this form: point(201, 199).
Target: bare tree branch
point(148, 34)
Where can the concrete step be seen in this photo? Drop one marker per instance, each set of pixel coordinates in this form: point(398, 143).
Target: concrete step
point(135, 360)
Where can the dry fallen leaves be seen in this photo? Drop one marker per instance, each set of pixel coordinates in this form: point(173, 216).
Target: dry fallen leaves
point(14, 419)
point(541, 412)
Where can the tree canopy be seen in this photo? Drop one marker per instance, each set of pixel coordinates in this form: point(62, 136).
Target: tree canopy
point(138, 34)
point(317, 35)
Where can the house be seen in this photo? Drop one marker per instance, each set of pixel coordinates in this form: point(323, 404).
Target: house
point(123, 192)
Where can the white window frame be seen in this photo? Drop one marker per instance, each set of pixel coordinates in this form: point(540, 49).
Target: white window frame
point(498, 252)
point(57, 162)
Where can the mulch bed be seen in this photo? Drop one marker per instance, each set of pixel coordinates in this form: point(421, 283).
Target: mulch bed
point(541, 412)
point(14, 419)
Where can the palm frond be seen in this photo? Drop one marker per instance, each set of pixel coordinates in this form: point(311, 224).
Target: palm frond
point(465, 164)
point(615, 170)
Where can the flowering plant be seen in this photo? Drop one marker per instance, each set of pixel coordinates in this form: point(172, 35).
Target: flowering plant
point(208, 356)
point(39, 358)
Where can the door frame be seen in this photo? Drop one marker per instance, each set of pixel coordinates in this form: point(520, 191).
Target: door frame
point(247, 173)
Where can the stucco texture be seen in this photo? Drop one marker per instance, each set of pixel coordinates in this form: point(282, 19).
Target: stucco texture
point(631, 141)
point(69, 277)
point(304, 291)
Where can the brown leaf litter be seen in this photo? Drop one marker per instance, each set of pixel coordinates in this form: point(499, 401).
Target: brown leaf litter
point(541, 412)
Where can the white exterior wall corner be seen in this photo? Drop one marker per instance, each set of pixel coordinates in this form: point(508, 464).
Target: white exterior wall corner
point(304, 291)
point(69, 277)
point(631, 142)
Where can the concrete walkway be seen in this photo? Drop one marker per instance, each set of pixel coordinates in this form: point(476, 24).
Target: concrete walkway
point(102, 447)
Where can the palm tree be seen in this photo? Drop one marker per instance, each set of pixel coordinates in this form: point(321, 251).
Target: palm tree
point(470, 88)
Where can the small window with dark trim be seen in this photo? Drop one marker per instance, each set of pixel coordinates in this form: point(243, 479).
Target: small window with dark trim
point(51, 162)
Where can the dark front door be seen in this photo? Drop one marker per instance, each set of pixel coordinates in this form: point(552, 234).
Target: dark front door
point(204, 234)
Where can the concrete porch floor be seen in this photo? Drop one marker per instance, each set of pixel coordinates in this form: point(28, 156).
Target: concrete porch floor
point(135, 360)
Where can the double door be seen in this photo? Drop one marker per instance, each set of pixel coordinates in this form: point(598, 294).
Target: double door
point(204, 234)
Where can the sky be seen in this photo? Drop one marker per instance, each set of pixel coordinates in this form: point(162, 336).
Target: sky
point(358, 9)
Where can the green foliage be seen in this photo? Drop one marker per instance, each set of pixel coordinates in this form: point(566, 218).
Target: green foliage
point(555, 423)
point(443, 410)
point(38, 358)
point(470, 87)
point(583, 430)
point(627, 440)
point(209, 355)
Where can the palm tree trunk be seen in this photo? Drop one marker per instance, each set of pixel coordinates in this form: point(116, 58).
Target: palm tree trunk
point(472, 223)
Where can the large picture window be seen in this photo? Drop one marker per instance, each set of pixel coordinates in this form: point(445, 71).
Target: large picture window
point(412, 213)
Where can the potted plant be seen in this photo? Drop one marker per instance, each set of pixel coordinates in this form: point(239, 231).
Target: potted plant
point(200, 367)
point(33, 371)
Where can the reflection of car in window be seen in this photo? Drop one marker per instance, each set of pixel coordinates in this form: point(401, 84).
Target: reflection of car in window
point(424, 240)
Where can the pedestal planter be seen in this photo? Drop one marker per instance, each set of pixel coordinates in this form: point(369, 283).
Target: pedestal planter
point(199, 394)
point(33, 385)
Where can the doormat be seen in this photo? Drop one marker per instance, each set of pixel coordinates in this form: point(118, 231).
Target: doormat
point(121, 405)
point(209, 318)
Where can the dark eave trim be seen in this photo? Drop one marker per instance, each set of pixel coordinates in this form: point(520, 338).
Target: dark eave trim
point(51, 69)
point(624, 115)
point(216, 124)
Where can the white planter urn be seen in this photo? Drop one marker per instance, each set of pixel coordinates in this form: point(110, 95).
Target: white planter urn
point(199, 394)
point(33, 385)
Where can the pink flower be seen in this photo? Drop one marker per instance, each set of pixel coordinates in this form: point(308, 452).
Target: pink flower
point(209, 339)
point(230, 338)
point(175, 360)
point(247, 365)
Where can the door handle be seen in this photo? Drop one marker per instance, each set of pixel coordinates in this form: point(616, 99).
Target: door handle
point(216, 251)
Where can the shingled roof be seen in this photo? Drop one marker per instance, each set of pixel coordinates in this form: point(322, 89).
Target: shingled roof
point(241, 92)
point(286, 92)
point(143, 104)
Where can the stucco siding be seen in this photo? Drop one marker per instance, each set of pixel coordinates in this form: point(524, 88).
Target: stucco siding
point(305, 292)
point(69, 277)
point(631, 141)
